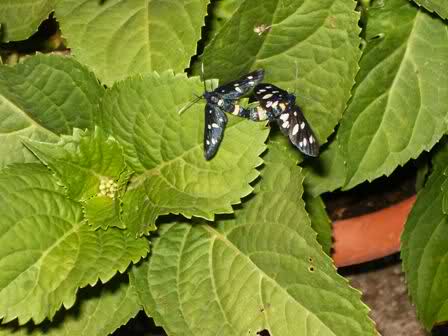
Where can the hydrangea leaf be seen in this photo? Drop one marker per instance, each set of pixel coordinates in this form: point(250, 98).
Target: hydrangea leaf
point(320, 221)
point(318, 38)
point(91, 166)
point(424, 251)
point(164, 34)
point(260, 269)
point(166, 152)
point(88, 163)
point(436, 6)
point(41, 98)
point(222, 11)
point(99, 311)
point(103, 211)
point(327, 172)
point(12, 13)
point(399, 102)
point(47, 251)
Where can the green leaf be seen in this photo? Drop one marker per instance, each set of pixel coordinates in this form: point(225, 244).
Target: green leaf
point(99, 311)
point(87, 163)
point(327, 172)
point(320, 221)
point(166, 152)
point(319, 38)
point(222, 11)
point(41, 98)
point(47, 251)
point(424, 252)
point(91, 166)
point(260, 269)
point(119, 38)
point(20, 19)
point(103, 212)
point(399, 103)
point(438, 6)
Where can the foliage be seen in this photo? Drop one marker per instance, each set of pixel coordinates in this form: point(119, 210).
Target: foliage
point(100, 174)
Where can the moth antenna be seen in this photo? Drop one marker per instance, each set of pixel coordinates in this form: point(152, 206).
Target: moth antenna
point(190, 104)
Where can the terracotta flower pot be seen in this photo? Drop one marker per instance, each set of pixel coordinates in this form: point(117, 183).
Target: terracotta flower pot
point(370, 236)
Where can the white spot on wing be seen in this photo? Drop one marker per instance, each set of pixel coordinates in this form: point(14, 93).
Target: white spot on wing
point(251, 83)
point(302, 125)
point(207, 142)
point(305, 142)
point(267, 96)
point(220, 102)
point(209, 127)
point(284, 116)
point(250, 77)
point(295, 129)
point(214, 141)
point(311, 139)
point(238, 89)
point(268, 103)
point(261, 91)
point(236, 84)
point(285, 124)
point(274, 105)
point(214, 125)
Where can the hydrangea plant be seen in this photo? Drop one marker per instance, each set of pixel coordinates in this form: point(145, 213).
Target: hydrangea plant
point(108, 207)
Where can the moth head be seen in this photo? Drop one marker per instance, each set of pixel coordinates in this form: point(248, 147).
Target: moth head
point(212, 97)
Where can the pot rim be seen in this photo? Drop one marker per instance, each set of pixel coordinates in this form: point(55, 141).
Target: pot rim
point(370, 236)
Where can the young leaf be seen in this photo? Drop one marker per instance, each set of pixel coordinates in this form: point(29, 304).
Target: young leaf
point(103, 212)
point(41, 98)
point(20, 19)
point(399, 102)
point(120, 38)
point(83, 161)
point(424, 250)
point(47, 251)
point(166, 151)
point(91, 166)
point(260, 269)
point(318, 38)
point(99, 311)
point(438, 6)
point(320, 221)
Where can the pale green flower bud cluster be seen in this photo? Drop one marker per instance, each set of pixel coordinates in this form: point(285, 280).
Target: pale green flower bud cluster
point(108, 187)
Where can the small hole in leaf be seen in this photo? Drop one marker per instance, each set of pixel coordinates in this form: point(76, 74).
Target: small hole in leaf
point(311, 268)
point(310, 259)
point(263, 332)
point(377, 37)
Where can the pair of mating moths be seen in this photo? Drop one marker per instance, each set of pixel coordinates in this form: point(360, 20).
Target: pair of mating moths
point(275, 105)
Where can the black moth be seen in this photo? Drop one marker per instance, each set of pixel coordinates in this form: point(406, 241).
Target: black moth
point(223, 99)
point(280, 106)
